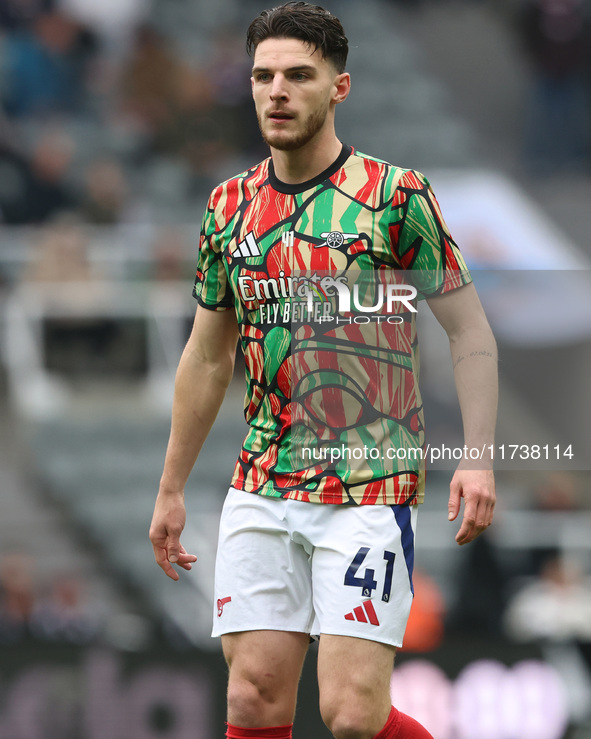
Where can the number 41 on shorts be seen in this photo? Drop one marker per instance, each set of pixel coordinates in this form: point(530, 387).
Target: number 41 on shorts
point(367, 583)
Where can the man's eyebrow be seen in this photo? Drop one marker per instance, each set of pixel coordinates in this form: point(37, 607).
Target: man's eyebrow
point(298, 68)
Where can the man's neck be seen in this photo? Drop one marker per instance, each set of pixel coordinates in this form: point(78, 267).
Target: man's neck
point(301, 165)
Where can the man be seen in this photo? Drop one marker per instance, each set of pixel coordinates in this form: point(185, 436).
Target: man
point(313, 548)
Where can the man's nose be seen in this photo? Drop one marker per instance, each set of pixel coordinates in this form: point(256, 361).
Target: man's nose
point(278, 88)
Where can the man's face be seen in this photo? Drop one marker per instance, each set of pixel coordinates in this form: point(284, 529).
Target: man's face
point(294, 91)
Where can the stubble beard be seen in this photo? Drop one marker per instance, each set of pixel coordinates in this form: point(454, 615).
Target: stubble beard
point(277, 140)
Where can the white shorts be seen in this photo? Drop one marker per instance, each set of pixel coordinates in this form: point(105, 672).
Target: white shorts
point(289, 565)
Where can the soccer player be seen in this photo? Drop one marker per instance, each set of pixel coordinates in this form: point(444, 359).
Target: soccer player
point(311, 547)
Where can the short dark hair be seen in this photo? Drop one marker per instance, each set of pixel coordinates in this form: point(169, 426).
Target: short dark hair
point(309, 23)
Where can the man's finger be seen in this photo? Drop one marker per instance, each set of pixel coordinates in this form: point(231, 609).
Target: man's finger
point(174, 546)
point(467, 530)
point(163, 562)
point(186, 560)
point(474, 524)
point(186, 555)
point(453, 506)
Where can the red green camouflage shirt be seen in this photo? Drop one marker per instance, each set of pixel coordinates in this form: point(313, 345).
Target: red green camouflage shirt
point(261, 239)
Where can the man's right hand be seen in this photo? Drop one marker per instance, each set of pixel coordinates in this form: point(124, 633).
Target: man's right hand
point(167, 525)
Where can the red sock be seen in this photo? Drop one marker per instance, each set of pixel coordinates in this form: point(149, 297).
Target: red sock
point(401, 726)
point(270, 732)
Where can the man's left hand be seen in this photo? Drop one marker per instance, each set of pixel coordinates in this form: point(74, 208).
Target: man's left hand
point(477, 488)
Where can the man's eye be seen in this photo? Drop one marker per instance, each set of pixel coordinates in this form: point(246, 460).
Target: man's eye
point(263, 77)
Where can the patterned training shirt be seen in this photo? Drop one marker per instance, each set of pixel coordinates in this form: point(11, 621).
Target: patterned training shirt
point(332, 402)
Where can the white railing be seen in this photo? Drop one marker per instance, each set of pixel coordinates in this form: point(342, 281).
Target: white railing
point(164, 307)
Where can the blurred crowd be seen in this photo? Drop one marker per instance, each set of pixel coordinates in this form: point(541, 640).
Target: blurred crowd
point(59, 611)
point(556, 36)
point(96, 103)
point(64, 608)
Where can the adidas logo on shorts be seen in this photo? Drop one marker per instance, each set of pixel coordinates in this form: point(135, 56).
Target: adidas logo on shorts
point(364, 613)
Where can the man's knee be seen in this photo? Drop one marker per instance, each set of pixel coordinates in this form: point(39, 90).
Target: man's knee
point(349, 725)
point(354, 680)
point(352, 716)
point(251, 697)
point(264, 672)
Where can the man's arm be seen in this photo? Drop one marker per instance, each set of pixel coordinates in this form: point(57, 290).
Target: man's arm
point(204, 373)
point(474, 356)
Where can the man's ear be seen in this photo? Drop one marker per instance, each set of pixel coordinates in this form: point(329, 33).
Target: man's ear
point(342, 87)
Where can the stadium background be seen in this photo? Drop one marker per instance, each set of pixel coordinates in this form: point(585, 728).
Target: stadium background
point(116, 120)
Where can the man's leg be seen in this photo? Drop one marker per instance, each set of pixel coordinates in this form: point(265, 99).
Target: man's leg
point(264, 670)
point(354, 681)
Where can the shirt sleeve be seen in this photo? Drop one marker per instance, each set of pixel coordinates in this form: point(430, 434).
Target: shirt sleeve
point(212, 288)
point(420, 239)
